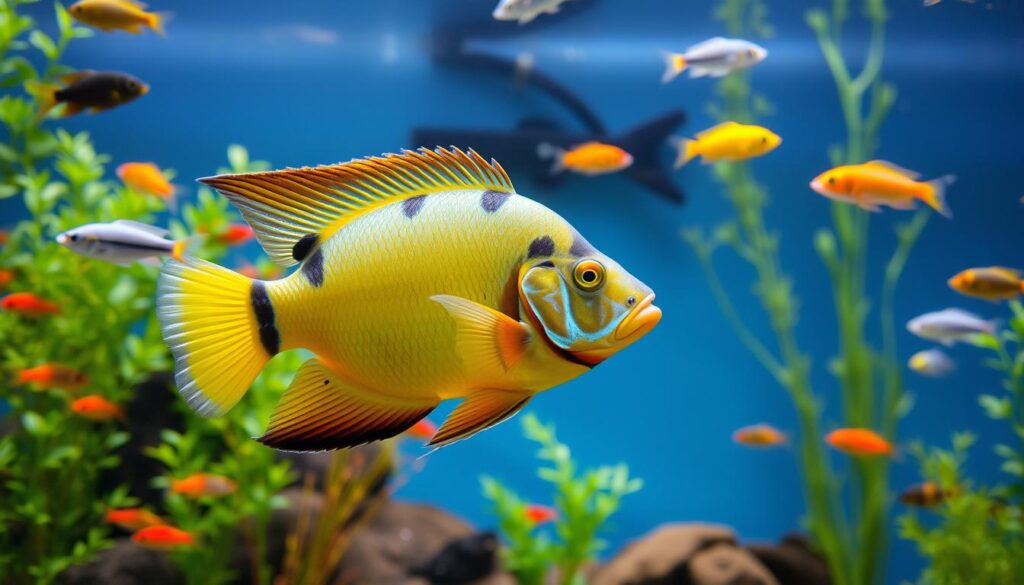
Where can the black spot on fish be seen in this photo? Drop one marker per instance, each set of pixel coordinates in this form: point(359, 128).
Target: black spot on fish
point(412, 206)
point(543, 246)
point(264, 310)
point(492, 201)
point(580, 246)
point(304, 246)
point(313, 268)
point(546, 264)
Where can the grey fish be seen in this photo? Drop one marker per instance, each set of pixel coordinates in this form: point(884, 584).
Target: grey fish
point(949, 326)
point(931, 362)
point(714, 57)
point(121, 242)
point(523, 11)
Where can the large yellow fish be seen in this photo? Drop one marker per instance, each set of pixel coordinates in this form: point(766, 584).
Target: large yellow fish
point(423, 277)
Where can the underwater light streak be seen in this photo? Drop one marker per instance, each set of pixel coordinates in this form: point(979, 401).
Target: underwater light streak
point(304, 33)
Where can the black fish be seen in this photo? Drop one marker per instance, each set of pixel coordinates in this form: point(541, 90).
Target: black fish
point(92, 90)
point(462, 561)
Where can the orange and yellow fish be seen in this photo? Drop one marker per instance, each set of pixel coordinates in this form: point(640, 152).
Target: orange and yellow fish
point(591, 158)
point(203, 484)
point(111, 15)
point(728, 141)
point(132, 518)
point(423, 277)
point(760, 435)
point(96, 408)
point(423, 430)
point(539, 514)
point(235, 234)
point(52, 376)
point(163, 537)
point(147, 178)
point(926, 495)
point(28, 304)
point(992, 283)
point(859, 442)
point(878, 182)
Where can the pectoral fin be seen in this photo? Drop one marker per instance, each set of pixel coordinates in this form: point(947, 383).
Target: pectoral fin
point(480, 410)
point(486, 339)
point(321, 411)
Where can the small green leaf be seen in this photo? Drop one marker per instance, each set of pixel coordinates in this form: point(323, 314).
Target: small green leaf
point(44, 43)
point(997, 408)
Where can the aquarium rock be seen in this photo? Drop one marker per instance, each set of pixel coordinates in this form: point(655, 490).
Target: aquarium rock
point(792, 561)
point(125, 564)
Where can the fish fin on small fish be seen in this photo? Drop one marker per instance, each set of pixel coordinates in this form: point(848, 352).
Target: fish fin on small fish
point(935, 196)
point(157, 21)
point(215, 322)
point(321, 411)
point(686, 149)
point(528, 17)
point(903, 204)
point(135, 29)
point(46, 94)
point(145, 227)
point(696, 72)
point(675, 63)
point(884, 164)
point(181, 248)
point(76, 76)
point(717, 128)
point(704, 44)
point(283, 206)
point(479, 411)
point(869, 206)
point(548, 151)
point(484, 336)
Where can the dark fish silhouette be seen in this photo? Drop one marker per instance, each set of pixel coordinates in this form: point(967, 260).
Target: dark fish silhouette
point(88, 90)
point(462, 561)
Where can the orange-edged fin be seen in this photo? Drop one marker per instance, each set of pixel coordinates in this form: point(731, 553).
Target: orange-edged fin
point(480, 410)
point(46, 94)
point(935, 195)
point(485, 337)
point(76, 76)
point(675, 64)
point(156, 21)
point(321, 411)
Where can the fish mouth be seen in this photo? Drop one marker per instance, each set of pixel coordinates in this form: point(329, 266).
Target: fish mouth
point(639, 321)
point(62, 239)
point(818, 186)
point(143, 90)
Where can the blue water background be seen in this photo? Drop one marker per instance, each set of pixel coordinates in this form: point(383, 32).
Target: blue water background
point(320, 81)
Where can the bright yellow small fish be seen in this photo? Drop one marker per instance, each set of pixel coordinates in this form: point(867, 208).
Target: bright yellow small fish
point(878, 182)
point(424, 277)
point(728, 141)
point(111, 15)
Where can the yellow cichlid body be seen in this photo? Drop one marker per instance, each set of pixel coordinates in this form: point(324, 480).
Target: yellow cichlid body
point(423, 277)
point(728, 141)
point(111, 15)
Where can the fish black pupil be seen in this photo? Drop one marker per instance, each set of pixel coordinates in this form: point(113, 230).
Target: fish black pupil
point(630, 301)
point(589, 276)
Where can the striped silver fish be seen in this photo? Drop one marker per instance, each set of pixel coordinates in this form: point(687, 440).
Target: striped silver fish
point(121, 242)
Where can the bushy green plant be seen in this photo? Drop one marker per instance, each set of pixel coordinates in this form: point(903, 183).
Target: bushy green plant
point(584, 502)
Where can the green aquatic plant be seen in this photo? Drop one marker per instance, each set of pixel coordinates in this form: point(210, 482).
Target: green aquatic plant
point(583, 501)
point(852, 537)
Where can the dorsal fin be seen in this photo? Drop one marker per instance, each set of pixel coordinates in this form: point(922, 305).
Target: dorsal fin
point(717, 128)
point(884, 164)
point(284, 206)
point(152, 229)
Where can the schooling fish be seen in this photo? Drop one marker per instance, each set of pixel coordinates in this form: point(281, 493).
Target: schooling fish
point(949, 326)
point(931, 362)
point(761, 435)
point(539, 514)
point(591, 158)
point(147, 178)
point(87, 90)
point(203, 484)
point(879, 182)
point(926, 495)
point(51, 376)
point(28, 304)
point(121, 242)
point(132, 518)
point(859, 442)
point(728, 141)
point(523, 11)
point(424, 277)
point(163, 537)
point(111, 15)
point(992, 283)
point(714, 57)
point(96, 408)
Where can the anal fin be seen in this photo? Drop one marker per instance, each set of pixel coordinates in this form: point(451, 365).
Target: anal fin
point(480, 410)
point(322, 411)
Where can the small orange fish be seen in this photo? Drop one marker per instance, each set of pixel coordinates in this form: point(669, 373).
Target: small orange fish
point(859, 442)
point(132, 518)
point(6, 276)
point(235, 234)
point(4, 235)
point(539, 514)
point(761, 435)
point(591, 158)
point(28, 304)
point(424, 430)
point(163, 537)
point(992, 283)
point(926, 495)
point(203, 484)
point(878, 182)
point(111, 15)
point(96, 408)
point(50, 376)
point(147, 178)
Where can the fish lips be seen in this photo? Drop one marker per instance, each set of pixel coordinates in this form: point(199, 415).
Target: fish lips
point(818, 187)
point(633, 326)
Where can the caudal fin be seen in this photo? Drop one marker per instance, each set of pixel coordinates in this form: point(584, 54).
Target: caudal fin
point(675, 64)
point(220, 328)
point(45, 93)
point(156, 22)
point(686, 149)
point(935, 196)
point(547, 151)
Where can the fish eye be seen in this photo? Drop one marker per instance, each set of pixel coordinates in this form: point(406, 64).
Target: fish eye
point(764, 140)
point(831, 180)
point(588, 274)
point(73, 237)
point(630, 301)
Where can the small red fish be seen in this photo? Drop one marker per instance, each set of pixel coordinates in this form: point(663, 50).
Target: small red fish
point(163, 537)
point(926, 495)
point(96, 408)
point(203, 484)
point(235, 234)
point(28, 304)
point(424, 430)
point(539, 514)
point(132, 518)
point(859, 442)
point(50, 376)
point(6, 276)
point(761, 435)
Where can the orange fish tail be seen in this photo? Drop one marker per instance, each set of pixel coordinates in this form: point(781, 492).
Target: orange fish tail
point(675, 64)
point(935, 195)
point(156, 22)
point(46, 94)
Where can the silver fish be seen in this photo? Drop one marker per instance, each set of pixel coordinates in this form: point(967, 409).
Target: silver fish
point(524, 11)
point(949, 326)
point(714, 57)
point(121, 242)
point(931, 362)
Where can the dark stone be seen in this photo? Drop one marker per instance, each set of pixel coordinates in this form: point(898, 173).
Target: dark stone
point(463, 560)
point(793, 562)
point(662, 556)
point(125, 564)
